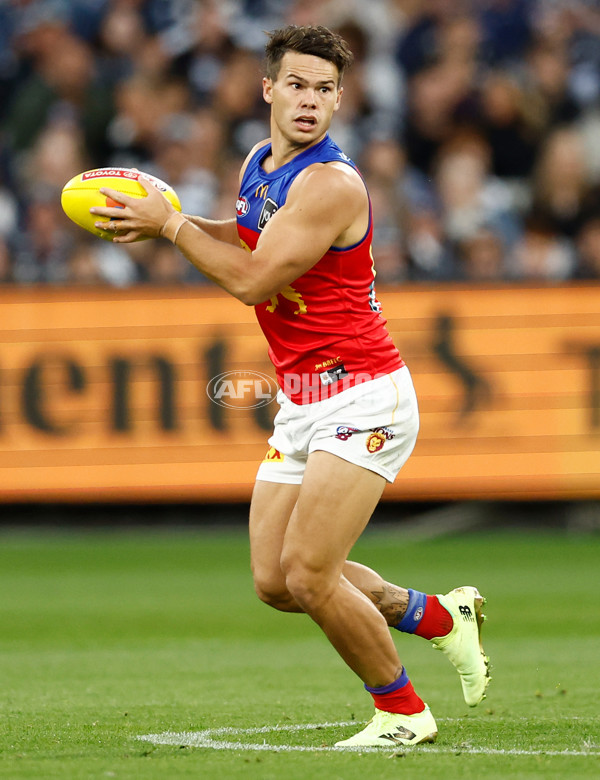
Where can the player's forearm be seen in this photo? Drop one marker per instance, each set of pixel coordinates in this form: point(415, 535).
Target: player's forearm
point(228, 266)
point(222, 230)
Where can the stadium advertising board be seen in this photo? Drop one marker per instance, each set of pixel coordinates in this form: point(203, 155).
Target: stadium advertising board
point(103, 394)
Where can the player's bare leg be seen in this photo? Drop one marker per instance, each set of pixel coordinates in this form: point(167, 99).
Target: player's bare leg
point(272, 506)
point(332, 508)
point(333, 505)
point(391, 600)
point(270, 511)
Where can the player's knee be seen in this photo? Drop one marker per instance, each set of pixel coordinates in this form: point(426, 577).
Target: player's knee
point(272, 592)
point(309, 587)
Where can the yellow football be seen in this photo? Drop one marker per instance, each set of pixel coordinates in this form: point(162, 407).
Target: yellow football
point(82, 192)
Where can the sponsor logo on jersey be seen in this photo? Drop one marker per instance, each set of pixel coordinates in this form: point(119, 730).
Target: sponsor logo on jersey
point(242, 206)
point(333, 375)
point(261, 191)
point(267, 212)
point(375, 442)
point(328, 363)
point(344, 432)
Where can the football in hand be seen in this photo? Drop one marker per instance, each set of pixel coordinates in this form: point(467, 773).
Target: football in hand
point(82, 192)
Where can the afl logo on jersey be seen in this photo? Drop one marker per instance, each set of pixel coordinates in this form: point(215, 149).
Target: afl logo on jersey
point(242, 207)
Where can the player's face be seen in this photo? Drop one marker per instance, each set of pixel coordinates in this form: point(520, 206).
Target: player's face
point(303, 98)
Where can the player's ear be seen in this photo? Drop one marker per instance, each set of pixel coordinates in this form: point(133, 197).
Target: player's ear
point(267, 90)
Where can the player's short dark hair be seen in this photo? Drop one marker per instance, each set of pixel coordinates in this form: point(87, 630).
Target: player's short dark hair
point(311, 39)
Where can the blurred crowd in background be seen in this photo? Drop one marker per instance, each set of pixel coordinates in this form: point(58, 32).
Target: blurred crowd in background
point(476, 124)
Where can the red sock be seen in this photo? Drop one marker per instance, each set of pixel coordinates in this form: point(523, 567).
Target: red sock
point(398, 697)
point(436, 620)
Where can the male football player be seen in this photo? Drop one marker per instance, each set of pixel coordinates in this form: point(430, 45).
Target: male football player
point(299, 251)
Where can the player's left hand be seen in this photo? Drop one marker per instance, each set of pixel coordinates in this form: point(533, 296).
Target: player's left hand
point(136, 217)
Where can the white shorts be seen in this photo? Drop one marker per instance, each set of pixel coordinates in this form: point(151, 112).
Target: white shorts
point(373, 425)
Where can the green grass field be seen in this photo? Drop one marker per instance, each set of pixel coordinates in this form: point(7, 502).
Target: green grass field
point(106, 637)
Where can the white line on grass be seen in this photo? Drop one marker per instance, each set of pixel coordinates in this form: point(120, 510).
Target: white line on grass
point(213, 738)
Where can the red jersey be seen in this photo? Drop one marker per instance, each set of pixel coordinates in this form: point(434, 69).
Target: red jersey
point(325, 331)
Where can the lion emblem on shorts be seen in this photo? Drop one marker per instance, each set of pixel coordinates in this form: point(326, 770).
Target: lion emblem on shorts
point(375, 442)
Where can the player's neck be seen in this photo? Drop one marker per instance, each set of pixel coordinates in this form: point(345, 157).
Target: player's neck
point(283, 151)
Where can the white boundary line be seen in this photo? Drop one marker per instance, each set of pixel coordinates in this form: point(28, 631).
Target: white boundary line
point(212, 738)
